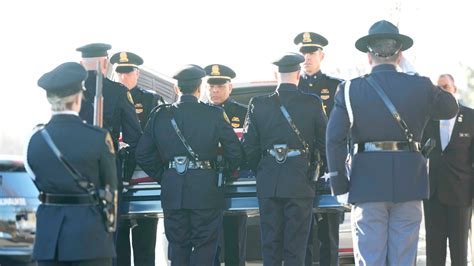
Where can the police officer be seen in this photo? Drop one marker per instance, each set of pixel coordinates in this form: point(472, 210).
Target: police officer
point(119, 112)
point(312, 80)
point(70, 229)
point(389, 175)
point(282, 131)
point(234, 227)
point(144, 229)
point(179, 148)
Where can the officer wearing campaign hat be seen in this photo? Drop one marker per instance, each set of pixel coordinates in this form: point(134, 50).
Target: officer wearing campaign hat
point(219, 88)
point(179, 148)
point(283, 157)
point(67, 210)
point(126, 65)
point(389, 172)
point(313, 80)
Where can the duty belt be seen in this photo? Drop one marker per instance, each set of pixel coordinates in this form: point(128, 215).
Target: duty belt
point(192, 164)
point(66, 199)
point(387, 146)
point(281, 151)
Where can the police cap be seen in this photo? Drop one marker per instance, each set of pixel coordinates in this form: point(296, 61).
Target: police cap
point(189, 75)
point(218, 74)
point(290, 62)
point(66, 79)
point(94, 50)
point(310, 42)
point(383, 30)
point(125, 62)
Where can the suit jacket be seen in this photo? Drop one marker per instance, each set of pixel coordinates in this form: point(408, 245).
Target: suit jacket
point(322, 85)
point(266, 126)
point(451, 172)
point(384, 176)
point(74, 232)
point(204, 127)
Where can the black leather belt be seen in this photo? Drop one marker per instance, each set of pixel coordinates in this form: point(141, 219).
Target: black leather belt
point(64, 199)
point(387, 146)
point(290, 153)
point(193, 165)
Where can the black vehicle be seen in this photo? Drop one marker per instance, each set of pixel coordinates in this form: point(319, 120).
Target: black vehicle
point(18, 204)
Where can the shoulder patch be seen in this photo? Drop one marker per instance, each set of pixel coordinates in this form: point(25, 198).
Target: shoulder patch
point(129, 97)
point(109, 143)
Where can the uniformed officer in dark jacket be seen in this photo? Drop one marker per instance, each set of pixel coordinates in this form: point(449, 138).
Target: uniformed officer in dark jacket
point(283, 162)
point(179, 148)
point(312, 80)
point(70, 229)
point(234, 227)
point(119, 112)
point(389, 175)
point(144, 229)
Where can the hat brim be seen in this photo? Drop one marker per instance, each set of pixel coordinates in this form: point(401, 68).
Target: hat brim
point(310, 49)
point(217, 81)
point(361, 44)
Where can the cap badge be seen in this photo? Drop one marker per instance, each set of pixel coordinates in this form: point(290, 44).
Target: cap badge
point(307, 37)
point(123, 57)
point(215, 71)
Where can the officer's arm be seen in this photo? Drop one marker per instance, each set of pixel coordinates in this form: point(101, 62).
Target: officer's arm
point(443, 103)
point(233, 152)
point(336, 145)
point(321, 125)
point(147, 155)
point(251, 140)
point(131, 130)
point(107, 166)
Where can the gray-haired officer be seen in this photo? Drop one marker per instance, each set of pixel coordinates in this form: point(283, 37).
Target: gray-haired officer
point(312, 80)
point(144, 232)
point(70, 229)
point(282, 131)
point(179, 148)
point(219, 85)
point(386, 112)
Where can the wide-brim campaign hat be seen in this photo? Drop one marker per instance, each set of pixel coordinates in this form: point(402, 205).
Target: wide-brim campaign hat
point(383, 30)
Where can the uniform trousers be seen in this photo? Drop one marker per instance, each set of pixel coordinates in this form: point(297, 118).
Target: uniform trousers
point(284, 224)
point(232, 240)
point(143, 241)
point(96, 262)
point(385, 233)
point(325, 248)
point(192, 235)
point(443, 223)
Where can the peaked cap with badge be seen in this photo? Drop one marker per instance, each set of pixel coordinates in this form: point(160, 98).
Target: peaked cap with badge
point(310, 42)
point(126, 62)
point(219, 74)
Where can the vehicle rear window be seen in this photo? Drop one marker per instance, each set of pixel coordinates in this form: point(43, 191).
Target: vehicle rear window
point(17, 184)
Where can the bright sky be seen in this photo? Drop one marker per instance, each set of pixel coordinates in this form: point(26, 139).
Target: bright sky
point(245, 35)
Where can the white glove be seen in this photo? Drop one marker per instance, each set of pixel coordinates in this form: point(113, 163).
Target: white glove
point(406, 66)
point(342, 198)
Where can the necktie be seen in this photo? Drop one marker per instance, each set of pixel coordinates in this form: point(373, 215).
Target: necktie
point(444, 133)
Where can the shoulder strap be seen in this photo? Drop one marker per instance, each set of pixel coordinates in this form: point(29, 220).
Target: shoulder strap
point(290, 122)
point(76, 175)
point(401, 123)
point(181, 137)
point(347, 99)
